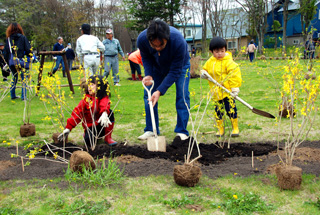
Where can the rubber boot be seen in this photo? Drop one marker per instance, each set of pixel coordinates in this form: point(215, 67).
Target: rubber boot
point(64, 73)
point(133, 77)
point(235, 128)
point(140, 78)
point(220, 125)
point(108, 139)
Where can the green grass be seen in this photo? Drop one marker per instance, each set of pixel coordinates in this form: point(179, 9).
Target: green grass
point(160, 195)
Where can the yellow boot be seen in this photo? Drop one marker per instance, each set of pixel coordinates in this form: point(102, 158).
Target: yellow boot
point(235, 128)
point(220, 131)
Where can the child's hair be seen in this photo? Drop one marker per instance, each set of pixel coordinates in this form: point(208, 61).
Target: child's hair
point(217, 43)
point(103, 89)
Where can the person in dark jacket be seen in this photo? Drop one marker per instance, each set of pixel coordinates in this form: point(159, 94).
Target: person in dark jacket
point(166, 61)
point(15, 36)
point(70, 55)
point(5, 72)
point(58, 58)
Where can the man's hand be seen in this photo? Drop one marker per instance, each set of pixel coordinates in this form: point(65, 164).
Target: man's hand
point(123, 58)
point(104, 120)
point(203, 74)
point(64, 135)
point(147, 80)
point(235, 91)
point(54, 58)
point(155, 97)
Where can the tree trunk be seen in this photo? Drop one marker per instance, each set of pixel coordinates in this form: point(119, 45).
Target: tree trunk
point(285, 20)
point(204, 26)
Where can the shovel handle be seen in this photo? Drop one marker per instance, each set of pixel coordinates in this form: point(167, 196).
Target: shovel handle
point(225, 89)
point(151, 109)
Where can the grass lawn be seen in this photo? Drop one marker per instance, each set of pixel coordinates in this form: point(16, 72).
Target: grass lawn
point(261, 85)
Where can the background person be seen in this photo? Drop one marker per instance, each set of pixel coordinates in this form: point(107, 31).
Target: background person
point(58, 58)
point(70, 55)
point(166, 60)
point(226, 72)
point(4, 68)
point(134, 61)
point(250, 49)
point(112, 49)
point(16, 37)
point(87, 50)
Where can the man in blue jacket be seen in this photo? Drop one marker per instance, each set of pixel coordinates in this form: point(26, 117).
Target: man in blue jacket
point(166, 60)
point(58, 58)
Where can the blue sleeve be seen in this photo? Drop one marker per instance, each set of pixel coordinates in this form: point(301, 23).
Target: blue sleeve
point(120, 49)
point(143, 45)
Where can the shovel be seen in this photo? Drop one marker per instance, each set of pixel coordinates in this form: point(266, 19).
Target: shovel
point(155, 143)
point(254, 110)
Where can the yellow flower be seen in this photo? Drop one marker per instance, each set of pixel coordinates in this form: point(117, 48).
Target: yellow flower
point(235, 196)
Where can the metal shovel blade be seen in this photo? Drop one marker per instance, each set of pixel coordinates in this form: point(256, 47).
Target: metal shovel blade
point(156, 144)
point(262, 113)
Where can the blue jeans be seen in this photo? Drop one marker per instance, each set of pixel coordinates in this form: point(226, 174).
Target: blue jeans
point(58, 62)
point(182, 96)
point(24, 78)
point(251, 56)
point(111, 62)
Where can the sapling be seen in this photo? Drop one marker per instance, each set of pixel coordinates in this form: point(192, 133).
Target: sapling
point(301, 94)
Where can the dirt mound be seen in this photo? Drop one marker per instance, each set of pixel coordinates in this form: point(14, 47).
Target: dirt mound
point(6, 164)
point(211, 153)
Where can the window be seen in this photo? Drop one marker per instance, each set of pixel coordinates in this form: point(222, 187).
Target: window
point(188, 33)
point(232, 45)
point(296, 42)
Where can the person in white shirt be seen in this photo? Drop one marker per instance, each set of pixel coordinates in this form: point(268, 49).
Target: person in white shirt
point(87, 50)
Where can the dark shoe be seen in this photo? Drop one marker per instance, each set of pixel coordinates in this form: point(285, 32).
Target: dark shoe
point(50, 74)
point(15, 98)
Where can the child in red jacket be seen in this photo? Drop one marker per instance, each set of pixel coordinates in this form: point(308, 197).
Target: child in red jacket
point(94, 112)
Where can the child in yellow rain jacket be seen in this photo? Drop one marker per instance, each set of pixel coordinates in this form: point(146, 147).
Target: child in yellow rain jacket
point(224, 70)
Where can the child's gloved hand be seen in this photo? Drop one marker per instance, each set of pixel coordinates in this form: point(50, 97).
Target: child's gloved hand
point(64, 135)
point(235, 91)
point(104, 120)
point(5, 67)
point(203, 74)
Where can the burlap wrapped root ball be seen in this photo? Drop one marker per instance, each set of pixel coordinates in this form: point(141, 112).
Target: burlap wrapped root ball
point(186, 175)
point(79, 159)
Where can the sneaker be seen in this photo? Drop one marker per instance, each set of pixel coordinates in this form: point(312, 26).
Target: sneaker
point(15, 98)
point(182, 136)
point(117, 84)
point(146, 135)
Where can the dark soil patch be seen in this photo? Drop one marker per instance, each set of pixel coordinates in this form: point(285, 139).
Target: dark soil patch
point(138, 161)
point(211, 153)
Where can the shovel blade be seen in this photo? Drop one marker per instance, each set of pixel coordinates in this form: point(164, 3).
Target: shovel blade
point(262, 113)
point(152, 144)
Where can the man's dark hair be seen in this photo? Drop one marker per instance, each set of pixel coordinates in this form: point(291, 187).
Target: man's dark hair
point(217, 43)
point(85, 28)
point(102, 84)
point(158, 29)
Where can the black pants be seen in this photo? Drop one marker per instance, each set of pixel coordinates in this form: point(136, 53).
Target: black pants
point(135, 67)
point(96, 131)
point(226, 105)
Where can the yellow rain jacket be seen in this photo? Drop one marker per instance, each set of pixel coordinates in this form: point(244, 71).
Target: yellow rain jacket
point(226, 72)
